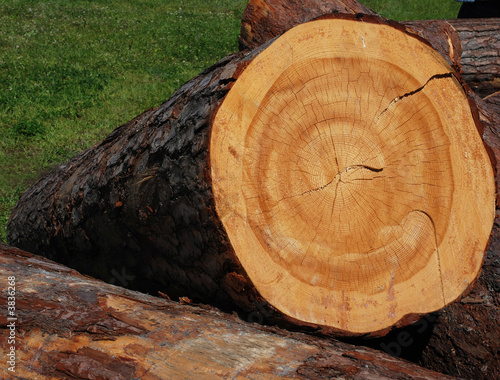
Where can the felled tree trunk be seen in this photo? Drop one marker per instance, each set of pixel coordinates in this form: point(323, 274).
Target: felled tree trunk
point(65, 325)
point(472, 45)
point(335, 189)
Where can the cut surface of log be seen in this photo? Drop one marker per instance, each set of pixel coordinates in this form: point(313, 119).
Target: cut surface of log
point(71, 326)
point(351, 178)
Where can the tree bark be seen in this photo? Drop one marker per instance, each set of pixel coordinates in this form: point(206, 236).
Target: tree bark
point(493, 101)
point(470, 45)
point(65, 325)
point(142, 201)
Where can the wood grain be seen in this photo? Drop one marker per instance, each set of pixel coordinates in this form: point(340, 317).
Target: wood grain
point(351, 177)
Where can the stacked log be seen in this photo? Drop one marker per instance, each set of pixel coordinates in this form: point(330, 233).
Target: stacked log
point(187, 198)
point(66, 325)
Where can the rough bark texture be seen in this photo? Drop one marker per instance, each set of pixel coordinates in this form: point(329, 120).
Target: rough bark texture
point(140, 202)
point(66, 325)
point(493, 102)
point(471, 44)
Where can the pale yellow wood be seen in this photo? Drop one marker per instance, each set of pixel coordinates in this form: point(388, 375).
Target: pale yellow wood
point(350, 176)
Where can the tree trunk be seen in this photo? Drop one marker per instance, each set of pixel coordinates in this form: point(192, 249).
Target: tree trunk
point(381, 143)
point(470, 44)
point(61, 324)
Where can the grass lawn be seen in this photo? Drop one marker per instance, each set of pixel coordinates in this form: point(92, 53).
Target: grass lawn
point(72, 71)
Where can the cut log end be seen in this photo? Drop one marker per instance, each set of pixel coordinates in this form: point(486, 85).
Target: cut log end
point(351, 178)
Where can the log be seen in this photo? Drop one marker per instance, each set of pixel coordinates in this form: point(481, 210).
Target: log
point(62, 324)
point(472, 45)
point(197, 205)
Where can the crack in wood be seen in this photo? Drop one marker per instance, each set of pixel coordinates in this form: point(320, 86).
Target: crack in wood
point(437, 252)
point(408, 94)
point(339, 174)
point(370, 168)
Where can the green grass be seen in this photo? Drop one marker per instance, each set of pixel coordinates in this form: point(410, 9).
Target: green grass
point(414, 9)
point(72, 71)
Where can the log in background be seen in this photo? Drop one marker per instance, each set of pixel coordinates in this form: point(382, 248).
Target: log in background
point(149, 156)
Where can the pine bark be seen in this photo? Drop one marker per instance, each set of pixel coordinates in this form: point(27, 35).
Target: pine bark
point(470, 45)
point(493, 102)
point(141, 201)
point(66, 325)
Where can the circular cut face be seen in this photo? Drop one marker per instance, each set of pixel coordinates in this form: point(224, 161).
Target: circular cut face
point(350, 177)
